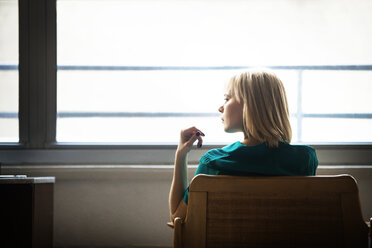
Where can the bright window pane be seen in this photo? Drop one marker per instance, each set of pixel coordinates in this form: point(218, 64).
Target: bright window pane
point(140, 130)
point(169, 94)
point(141, 91)
point(337, 92)
point(9, 71)
point(119, 104)
point(337, 130)
point(343, 95)
point(204, 32)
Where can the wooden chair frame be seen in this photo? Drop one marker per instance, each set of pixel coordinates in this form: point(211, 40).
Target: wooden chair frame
point(334, 200)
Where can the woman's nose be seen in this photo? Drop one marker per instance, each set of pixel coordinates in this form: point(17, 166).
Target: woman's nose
point(220, 109)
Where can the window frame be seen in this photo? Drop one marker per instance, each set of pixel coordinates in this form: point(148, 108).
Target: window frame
point(38, 111)
point(37, 73)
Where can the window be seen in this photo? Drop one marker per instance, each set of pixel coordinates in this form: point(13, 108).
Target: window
point(8, 71)
point(90, 70)
point(139, 75)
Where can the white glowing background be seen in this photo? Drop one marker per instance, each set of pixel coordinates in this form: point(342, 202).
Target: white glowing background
point(197, 33)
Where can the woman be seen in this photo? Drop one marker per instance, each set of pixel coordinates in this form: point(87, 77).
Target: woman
point(255, 104)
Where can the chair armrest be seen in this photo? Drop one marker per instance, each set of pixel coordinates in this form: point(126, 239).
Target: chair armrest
point(177, 235)
point(170, 224)
point(370, 232)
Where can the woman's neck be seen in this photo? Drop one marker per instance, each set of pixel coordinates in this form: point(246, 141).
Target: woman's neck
point(250, 141)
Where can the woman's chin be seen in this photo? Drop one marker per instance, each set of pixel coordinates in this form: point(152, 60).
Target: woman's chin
point(228, 130)
point(232, 130)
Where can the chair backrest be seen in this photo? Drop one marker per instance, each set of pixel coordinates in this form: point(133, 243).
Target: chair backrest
point(314, 211)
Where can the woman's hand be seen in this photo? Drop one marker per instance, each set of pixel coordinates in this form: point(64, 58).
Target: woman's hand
point(187, 139)
point(177, 206)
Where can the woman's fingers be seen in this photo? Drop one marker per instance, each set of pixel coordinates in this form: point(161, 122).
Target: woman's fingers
point(192, 135)
point(187, 134)
point(200, 133)
point(191, 140)
point(194, 130)
point(200, 139)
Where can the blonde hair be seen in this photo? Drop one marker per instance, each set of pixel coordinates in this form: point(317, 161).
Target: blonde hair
point(265, 107)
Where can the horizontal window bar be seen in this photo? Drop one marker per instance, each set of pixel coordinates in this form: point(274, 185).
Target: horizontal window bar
point(195, 68)
point(340, 154)
point(8, 67)
point(170, 114)
point(8, 115)
point(346, 116)
point(132, 114)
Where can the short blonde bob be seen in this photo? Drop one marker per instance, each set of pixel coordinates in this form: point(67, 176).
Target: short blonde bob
point(265, 107)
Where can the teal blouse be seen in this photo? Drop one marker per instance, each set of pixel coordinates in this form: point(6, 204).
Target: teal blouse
point(258, 160)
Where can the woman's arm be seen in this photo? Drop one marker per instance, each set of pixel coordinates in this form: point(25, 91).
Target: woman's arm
point(177, 206)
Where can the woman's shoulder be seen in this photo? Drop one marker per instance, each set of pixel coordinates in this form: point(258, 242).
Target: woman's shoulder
point(297, 149)
point(301, 154)
point(218, 153)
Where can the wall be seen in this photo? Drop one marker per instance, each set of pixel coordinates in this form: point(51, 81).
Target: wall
point(119, 206)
